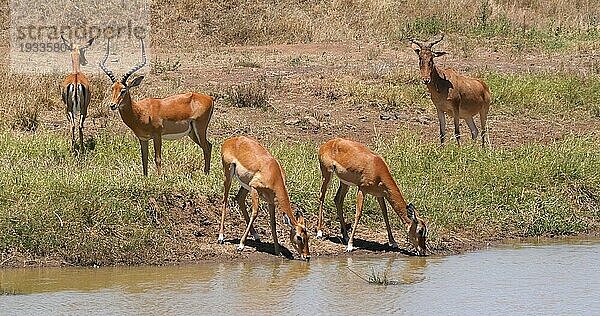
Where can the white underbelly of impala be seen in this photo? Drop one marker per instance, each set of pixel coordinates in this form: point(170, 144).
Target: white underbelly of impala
point(242, 175)
point(177, 133)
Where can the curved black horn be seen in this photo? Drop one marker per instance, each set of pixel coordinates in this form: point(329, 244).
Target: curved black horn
point(88, 43)
point(69, 45)
point(103, 62)
point(431, 43)
point(413, 40)
point(136, 68)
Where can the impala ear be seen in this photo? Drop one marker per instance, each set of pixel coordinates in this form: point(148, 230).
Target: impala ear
point(415, 47)
point(136, 82)
point(287, 220)
point(66, 42)
point(89, 42)
point(438, 54)
point(299, 217)
point(411, 212)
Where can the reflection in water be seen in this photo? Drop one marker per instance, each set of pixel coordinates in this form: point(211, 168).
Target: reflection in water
point(517, 280)
point(413, 273)
point(127, 279)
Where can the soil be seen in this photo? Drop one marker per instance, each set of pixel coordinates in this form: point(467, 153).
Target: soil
point(306, 96)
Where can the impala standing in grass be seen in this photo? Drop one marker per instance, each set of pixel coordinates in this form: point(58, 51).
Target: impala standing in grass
point(453, 94)
point(356, 165)
point(173, 117)
point(260, 174)
point(75, 90)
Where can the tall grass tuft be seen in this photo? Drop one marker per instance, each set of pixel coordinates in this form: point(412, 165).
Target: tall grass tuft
point(26, 118)
point(250, 95)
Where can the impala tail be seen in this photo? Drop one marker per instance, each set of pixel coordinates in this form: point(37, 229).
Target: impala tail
point(75, 96)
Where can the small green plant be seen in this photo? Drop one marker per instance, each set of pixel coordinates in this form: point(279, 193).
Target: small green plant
point(247, 64)
point(484, 13)
point(27, 118)
point(595, 111)
point(9, 292)
point(161, 66)
point(426, 26)
point(251, 95)
point(377, 278)
point(331, 94)
point(299, 60)
point(373, 52)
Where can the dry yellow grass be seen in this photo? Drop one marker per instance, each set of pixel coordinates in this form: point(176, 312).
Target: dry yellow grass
point(266, 22)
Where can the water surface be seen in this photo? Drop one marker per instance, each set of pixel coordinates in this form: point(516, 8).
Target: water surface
point(557, 278)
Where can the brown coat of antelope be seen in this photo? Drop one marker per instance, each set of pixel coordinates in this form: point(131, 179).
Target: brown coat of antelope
point(260, 174)
point(355, 164)
point(170, 118)
point(453, 94)
point(75, 89)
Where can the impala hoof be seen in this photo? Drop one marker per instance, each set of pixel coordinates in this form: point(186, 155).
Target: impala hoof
point(221, 239)
point(350, 248)
point(256, 237)
point(320, 234)
point(240, 247)
point(394, 245)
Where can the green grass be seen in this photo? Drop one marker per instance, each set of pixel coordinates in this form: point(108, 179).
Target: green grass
point(544, 94)
point(533, 94)
point(528, 191)
point(94, 210)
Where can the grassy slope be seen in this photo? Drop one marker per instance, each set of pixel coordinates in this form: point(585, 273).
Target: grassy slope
point(96, 209)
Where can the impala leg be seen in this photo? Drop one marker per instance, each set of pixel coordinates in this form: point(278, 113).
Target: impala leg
point(457, 124)
point(359, 206)
point(408, 222)
point(472, 127)
point(199, 137)
point(228, 172)
point(339, 205)
point(442, 120)
point(72, 124)
point(271, 207)
point(81, 119)
point(254, 197)
point(485, 138)
point(144, 149)
point(157, 142)
point(241, 200)
point(326, 178)
point(383, 207)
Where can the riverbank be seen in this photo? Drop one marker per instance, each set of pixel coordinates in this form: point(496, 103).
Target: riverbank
point(95, 210)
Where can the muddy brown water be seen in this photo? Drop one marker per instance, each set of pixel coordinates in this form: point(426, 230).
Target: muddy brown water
point(544, 279)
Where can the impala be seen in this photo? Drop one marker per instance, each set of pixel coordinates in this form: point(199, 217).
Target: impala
point(354, 164)
point(75, 89)
point(260, 174)
point(170, 118)
point(453, 94)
